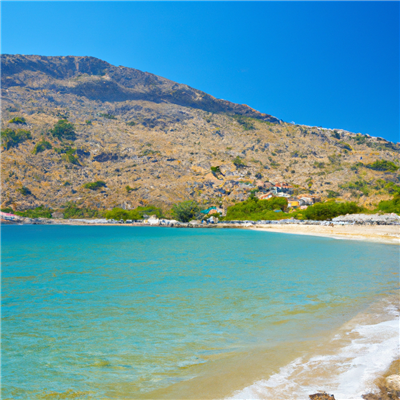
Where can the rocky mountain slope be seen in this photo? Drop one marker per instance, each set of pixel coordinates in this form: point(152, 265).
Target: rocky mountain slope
point(154, 141)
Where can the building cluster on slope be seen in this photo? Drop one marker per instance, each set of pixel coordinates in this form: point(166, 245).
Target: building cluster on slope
point(267, 190)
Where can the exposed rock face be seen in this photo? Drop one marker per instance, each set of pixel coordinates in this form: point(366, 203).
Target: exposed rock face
point(97, 80)
point(393, 383)
point(154, 141)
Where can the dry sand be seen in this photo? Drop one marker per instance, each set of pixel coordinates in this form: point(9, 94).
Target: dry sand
point(389, 234)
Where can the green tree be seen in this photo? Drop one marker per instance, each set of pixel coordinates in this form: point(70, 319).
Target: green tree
point(71, 210)
point(64, 130)
point(119, 213)
point(390, 206)
point(330, 209)
point(150, 210)
point(186, 210)
point(253, 209)
point(38, 212)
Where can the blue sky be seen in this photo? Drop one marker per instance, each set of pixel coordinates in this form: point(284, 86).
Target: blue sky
point(330, 64)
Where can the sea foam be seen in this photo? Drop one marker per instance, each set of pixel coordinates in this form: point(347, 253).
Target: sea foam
point(355, 357)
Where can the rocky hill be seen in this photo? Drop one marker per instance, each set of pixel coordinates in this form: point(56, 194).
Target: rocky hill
point(154, 141)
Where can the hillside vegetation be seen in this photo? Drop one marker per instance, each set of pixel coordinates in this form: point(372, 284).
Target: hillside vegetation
point(77, 130)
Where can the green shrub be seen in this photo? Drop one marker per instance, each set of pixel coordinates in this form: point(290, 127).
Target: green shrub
point(332, 194)
point(360, 139)
point(149, 152)
point(346, 146)
point(11, 138)
point(330, 209)
point(88, 122)
point(41, 146)
point(119, 213)
point(336, 135)
point(94, 185)
point(18, 120)
point(64, 130)
point(390, 187)
point(390, 206)
point(238, 163)
point(108, 116)
point(38, 212)
point(359, 185)
point(216, 171)
point(383, 165)
point(253, 209)
point(186, 211)
point(71, 210)
point(356, 166)
point(246, 122)
point(131, 123)
point(70, 156)
point(334, 159)
point(62, 150)
point(25, 191)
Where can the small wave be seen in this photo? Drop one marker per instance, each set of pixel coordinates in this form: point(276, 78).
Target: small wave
point(347, 367)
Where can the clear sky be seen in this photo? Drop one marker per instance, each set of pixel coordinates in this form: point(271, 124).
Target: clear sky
point(330, 64)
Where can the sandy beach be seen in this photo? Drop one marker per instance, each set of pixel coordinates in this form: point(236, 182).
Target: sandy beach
point(389, 234)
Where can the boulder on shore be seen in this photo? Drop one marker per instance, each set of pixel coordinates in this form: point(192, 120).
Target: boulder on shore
point(322, 396)
point(392, 382)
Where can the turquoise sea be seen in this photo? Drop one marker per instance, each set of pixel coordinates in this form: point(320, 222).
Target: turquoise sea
point(146, 312)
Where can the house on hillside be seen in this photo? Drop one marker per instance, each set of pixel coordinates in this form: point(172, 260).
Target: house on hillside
point(309, 199)
point(266, 196)
point(293, 203)
point(305, 199)
point(283, 187)
point(268, 185)
point(9, 217)
point(316, 199)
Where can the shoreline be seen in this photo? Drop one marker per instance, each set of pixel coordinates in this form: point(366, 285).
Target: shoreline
point(385, 234)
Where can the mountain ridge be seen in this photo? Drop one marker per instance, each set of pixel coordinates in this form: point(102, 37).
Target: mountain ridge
point(122, 83)
point(161, 139)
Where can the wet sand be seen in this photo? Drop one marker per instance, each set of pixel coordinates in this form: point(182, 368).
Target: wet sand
point(389, 234)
